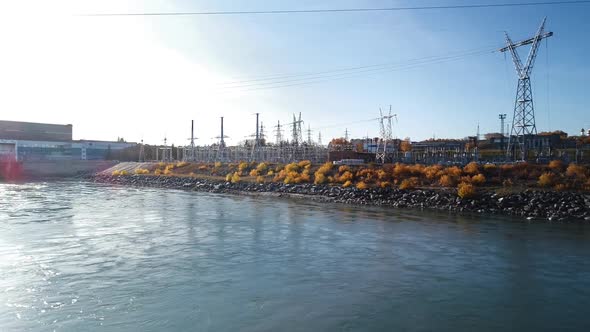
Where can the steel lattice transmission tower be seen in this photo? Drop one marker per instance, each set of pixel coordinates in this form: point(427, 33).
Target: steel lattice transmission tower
point(523, 122)
point(386, 131)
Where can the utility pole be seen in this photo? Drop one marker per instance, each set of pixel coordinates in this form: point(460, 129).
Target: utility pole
point(257, 142)
point(309, 141)
point(319, 138)
point(278, 134)
point(141, 152)
point(346, 134)
point(523, 122)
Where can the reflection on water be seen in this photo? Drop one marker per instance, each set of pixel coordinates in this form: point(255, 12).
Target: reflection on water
point(82, 257)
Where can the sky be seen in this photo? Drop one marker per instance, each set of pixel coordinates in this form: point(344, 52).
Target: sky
point(146, 77)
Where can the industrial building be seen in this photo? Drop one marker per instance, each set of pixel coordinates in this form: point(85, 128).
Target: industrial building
point(26, 141)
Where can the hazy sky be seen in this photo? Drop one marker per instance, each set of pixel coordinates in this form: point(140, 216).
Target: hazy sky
point(147, 77)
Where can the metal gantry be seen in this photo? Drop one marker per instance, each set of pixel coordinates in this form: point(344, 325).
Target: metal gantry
point(523, 121)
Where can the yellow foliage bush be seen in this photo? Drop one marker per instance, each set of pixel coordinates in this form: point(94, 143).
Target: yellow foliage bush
point(261, 168)
point(478, 179)
point(235, 178)
point(260, 179)
point(157, 171)
point(181, 164)
point(347, 184)
point(217, 164)
point(546, 180)
point(362, 186)
point(270, 172)
point(228, 177)
point(466, 190)
point(292, 167)
point(471, 168)
point(343, 168)
point(141, 171)
point(325, 168)
point(243, 166)
point(203, 167)
point(280, 176)
point(254, 172)
point(116, 173)
point(319, 178)
point(410, 183)
point(384, 184)
point(347, 176)
point(304, 164)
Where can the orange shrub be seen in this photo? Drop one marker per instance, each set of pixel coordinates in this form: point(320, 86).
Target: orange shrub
point(466, 190)
point(343, 169)
point(410, 183)
point(382, 175)
point(560, 187)
point(478, 179)
point(347, 176)
point(384, 184)
point(304, 164)
point(546, 179)
point(490, 168)
point(471, 168)
point(447, 181)
point(556, 165)
point(362, 185)
point(454, 171)
point(432, 172)
point(347, 184)
point(576, 171)
point(254, 172)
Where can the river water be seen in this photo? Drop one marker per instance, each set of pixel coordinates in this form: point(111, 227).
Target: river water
point(87, 257)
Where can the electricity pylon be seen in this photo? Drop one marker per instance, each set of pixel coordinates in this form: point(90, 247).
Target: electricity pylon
point(386, 131)
point(523, 122)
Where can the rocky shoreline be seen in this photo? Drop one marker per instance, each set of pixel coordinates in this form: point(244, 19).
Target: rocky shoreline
point(529, 204)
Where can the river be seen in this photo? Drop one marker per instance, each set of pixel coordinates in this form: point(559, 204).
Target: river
point(77, 256)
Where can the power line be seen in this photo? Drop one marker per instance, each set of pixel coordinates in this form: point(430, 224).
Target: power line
point(341, 10)
point(275, 77)
point(354, 74)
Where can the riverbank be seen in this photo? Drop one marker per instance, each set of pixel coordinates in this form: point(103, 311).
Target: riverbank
point(529, 204)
